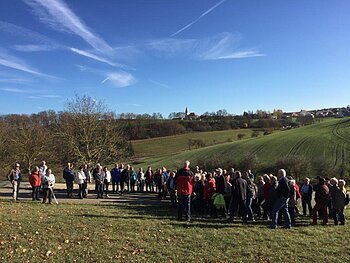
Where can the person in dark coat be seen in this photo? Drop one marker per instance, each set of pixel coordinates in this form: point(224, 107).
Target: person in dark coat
point(220, 181)
point(171, 186)
point(68, 176)
point(239, 197)
point(322, 200)
point(125, 179)
point(97, 175)
point(281, 204)
point(306, 196)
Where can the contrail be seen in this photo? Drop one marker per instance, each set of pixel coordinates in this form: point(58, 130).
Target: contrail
point(196, 20)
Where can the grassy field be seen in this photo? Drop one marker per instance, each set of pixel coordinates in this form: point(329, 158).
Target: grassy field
point(179, 143)
point(32, 232)
point(328, 139)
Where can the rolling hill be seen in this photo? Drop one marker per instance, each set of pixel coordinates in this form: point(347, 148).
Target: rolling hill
point(329, 139)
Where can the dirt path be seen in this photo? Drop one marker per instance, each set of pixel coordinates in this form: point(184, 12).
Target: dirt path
point(60, 193)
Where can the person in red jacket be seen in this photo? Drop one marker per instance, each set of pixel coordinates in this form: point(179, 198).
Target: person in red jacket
point(208, 191)
point(35, 182)
point(184, 180)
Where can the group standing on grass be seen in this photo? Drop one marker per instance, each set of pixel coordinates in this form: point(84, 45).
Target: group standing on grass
point(215, 194)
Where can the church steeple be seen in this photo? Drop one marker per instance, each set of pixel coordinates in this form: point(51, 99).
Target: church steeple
point(186, 111)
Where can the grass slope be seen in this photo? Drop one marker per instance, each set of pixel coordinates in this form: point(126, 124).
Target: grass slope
point(179, 143)
point(329, 139)
point(32, 232)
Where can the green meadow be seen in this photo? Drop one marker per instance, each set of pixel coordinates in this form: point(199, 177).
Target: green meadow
point(328, 139)
point(132, 232)
point(179, 143)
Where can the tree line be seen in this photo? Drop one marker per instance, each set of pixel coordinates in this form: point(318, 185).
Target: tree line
point(85, 132)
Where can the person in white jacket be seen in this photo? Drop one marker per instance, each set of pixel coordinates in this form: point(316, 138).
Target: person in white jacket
point(80, 178)
point(106, 179)
point(48, 182)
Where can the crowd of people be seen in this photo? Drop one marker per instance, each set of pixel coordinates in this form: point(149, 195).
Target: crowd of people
point(218, 193)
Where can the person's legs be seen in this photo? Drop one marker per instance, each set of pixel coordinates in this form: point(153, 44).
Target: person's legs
point(291, 211)
point(180, 207)
point(325, 215)
point(249, 210)
point(113, 186)
point(15, 190)
point(314, 213)
point(303, 203)
point(67, 188)
point(336, 216)
point(187, 207)
point(44, 195)
point(50, 195)
point(243, 210)
point(309, 207)
point(121, 186)
point(106, 188)
point(37, 189)
point(287, 221)
point(276, 208)
point(341, 217)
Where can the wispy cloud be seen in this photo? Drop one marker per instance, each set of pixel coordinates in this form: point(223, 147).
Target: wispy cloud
point(16, 63)
point(117, 78)
point(224, 46)
point(197, 19)
point(241, 54)
point(58, 16)
point(14, 80)
point(15, 90)
point(159, 84)
point(42, 43)
point(120, 79)
point(44, 96)
point(34, 48)
point(134, 105)
point(172, 45)
point(98, 58)
point(221, 46)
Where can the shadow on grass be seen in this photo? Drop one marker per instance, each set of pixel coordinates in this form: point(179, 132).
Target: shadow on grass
point(162, 210)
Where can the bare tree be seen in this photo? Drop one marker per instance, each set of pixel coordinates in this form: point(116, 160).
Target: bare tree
point(90, 132)
point(28, 143)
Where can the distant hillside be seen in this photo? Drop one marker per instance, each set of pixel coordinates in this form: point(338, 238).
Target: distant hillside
point(179, 143)
point(328, 141)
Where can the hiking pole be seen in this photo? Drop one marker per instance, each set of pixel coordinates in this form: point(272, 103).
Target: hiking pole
point(53, 195)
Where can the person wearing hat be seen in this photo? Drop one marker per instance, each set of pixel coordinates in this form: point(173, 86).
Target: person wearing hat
point(15, 178)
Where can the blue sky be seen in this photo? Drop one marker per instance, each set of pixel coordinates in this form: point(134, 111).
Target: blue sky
point(148, 56)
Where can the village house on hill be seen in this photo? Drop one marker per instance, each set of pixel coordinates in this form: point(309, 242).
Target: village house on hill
point(190, 115)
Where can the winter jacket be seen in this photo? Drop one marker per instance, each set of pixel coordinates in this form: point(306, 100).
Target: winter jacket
point(240, 189)
point(115, 172)
point(12, 176)
point(283, 188)
point(48, 181)
point(338, 198)
point(266, 189)
point(306, 191)
point(220, 184)
point(106, 176)
point(35, 179)
point(184, 179)
point(68, 175)
point(209, 189)
point(321, 194)
point(80, 178)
